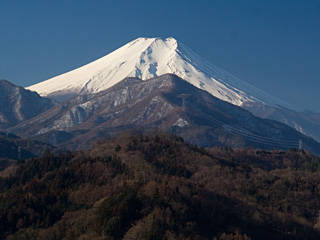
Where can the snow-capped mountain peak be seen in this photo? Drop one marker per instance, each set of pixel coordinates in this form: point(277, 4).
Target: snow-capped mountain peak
point(151, 57)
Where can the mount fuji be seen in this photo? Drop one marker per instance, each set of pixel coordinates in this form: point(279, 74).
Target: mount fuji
point(146, 58)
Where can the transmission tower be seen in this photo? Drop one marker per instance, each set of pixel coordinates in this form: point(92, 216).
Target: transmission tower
point(183, 104)
point(300, 144)
point(19, 153)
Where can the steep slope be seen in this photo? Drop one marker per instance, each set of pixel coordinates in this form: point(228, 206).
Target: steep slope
point(159, 187)
point(18, 104)
point(150, 57)
point(306, 122)
point(168, 103)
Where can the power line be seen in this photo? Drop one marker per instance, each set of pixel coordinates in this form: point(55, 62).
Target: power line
point(300, 144)
point(241, 132)
point(250, 136)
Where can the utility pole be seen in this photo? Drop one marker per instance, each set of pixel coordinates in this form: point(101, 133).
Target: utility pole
point(227, 128)
point(19, 153)
point(300, 144)
point(183, 104)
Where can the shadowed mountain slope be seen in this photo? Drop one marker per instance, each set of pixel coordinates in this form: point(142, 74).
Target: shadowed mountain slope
point(18, 104)
point(167, 103)
point(151, 57)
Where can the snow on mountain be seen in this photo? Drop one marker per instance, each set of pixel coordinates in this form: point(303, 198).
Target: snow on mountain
point(167, 103)
point(151, 57)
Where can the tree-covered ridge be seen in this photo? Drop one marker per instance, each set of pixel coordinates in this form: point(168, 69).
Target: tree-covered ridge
point(159, 187)
point(13, 148)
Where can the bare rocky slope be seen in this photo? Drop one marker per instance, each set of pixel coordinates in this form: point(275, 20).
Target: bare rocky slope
point(167, 103)
point(18, 104)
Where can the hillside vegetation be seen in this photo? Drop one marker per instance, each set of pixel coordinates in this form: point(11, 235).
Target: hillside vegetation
point(13, 148)
point(159, 187)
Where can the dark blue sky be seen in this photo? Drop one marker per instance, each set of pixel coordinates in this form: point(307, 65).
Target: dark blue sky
point(272, 44)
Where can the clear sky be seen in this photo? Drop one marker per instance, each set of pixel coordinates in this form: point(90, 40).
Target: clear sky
point(272, 44)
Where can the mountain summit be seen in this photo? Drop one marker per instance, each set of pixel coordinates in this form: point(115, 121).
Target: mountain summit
point(151, 57)
point(145, 58)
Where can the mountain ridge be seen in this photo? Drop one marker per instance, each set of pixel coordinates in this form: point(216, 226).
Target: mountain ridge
point(151, 57)
point(167, 103)
point(156, 186)
point(18, 104)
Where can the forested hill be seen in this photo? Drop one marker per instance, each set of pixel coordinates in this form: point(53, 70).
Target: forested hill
point(13, 148)
point(158, 187)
